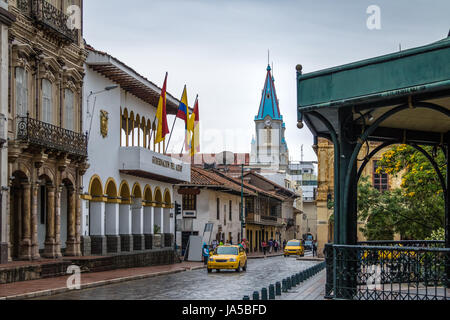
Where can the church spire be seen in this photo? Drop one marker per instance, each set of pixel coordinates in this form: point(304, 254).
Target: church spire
point(269, 102)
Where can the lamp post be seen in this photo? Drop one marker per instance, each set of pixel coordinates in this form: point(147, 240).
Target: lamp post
point(242, 204)
point(91, 115)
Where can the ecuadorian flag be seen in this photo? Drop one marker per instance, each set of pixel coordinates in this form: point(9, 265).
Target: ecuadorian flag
point(183, 110)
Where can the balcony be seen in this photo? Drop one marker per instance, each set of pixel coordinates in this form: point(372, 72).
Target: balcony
point(49, 18)
point(144, 163)
point(253, 218)
point(44, 135)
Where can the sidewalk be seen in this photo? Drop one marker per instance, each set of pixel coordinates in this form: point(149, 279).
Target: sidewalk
point(312, 289)
point(51, 286)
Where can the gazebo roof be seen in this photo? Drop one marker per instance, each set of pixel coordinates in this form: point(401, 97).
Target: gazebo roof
point(375, 86)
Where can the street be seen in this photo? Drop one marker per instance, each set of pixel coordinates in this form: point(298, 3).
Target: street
point(196, 285)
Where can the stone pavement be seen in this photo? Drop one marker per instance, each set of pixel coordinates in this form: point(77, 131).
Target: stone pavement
point(312, 289)
point(51, 286)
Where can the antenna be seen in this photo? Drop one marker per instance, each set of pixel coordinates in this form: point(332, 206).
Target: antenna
point(302, 154)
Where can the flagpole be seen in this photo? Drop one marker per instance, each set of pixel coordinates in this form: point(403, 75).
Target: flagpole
point(170, 137)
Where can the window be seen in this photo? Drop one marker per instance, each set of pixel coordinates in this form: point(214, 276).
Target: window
point(21, 92)
point(218, 209)
point(68, 110)
point(224, 214)
point(47, 103)
point(231, 211)
point(380, 181)
point(189, 202)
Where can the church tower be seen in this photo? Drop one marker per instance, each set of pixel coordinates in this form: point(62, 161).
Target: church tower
point(269, 148)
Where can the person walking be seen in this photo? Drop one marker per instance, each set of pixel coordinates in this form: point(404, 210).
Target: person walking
point(284, 244)
point(314, 248)
point(270, 246)
point(264, 246)
point(276, 246)
point(205, 253)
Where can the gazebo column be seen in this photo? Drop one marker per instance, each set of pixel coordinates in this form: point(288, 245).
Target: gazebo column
point(126, 238)
point(347, 222)
point(138, 225)
point(149, 213)
point(112, 227)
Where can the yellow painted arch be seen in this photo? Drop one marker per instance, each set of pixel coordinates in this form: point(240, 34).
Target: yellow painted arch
point(124, 192)
point(158, 197)
point(167, 198)
point(148, 197)
point(137, 191)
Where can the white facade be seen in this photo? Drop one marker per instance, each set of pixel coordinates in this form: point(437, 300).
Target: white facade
point(207, 213)
point(128, 189)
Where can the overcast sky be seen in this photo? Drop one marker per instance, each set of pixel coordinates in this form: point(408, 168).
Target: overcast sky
point(218, 48)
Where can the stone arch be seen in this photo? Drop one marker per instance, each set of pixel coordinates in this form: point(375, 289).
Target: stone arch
point(137, 191)
point(46, 171)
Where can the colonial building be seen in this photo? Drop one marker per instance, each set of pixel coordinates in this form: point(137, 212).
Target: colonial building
point(6, 19)
point(210, 198)
point(273, 214)
point(127, 200)
point(47, 150)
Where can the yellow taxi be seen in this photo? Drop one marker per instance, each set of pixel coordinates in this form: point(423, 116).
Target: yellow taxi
point(228, 257)
point(294, 248)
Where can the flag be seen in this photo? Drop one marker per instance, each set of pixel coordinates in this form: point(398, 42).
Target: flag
point(183, 109)
point(195, 126)
point(161, 115)
point(183, 114)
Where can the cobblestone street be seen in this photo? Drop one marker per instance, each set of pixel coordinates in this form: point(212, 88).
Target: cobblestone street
point(198, 284)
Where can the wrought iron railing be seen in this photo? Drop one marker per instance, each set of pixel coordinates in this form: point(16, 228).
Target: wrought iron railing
point(45, 135)
point(395, 272)
point(47, 15)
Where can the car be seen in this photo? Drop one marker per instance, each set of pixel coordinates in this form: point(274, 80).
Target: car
point(228, 257)
point(294, 248)
point(308, 245)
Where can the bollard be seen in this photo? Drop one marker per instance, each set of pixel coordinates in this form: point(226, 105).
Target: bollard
point(271, 292)
point(293, 282)
point(246, 298)
point(264, 294)
point(298, 278)
point(289, 284)
point(302, 276)
point(256, 295)
point(278, 289)
point(284, 288)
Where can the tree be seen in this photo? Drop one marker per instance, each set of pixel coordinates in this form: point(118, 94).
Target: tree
point(421, 191)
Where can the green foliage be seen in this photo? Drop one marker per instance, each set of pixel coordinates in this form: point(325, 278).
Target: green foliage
point(437, 235)
point(156, 229)
point(414, 210)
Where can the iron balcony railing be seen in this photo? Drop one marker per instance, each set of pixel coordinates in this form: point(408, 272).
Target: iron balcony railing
point(45, 135)
point(50, 17)
point(396, 271)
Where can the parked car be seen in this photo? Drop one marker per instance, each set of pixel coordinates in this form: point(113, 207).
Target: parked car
point(228, 257)
point(294, 247)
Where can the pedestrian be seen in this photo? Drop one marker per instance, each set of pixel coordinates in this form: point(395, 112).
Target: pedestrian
point(314, 248)
point(205, 253)
point(276, 246)
point(270, 246)
point(284, 244)
point(264, 246)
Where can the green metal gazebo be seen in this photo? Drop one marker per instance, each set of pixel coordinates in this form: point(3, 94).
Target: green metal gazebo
point(400, 98)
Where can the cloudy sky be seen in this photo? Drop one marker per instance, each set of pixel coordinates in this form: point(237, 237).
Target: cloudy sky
point(218, 48)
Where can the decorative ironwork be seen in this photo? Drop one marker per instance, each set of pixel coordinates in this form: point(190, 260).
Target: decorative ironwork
point(395, 272)
point(45, 135)
point(47, 15)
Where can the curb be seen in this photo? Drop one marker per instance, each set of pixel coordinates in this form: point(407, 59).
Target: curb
point(263, 257)
point(51, 292)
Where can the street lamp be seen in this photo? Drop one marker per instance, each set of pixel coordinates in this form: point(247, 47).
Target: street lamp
point(91, 115)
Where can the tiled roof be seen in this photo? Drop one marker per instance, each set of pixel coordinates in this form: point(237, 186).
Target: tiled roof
point(210, 178)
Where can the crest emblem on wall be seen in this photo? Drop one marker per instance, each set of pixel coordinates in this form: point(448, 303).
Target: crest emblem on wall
point(104, 117)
